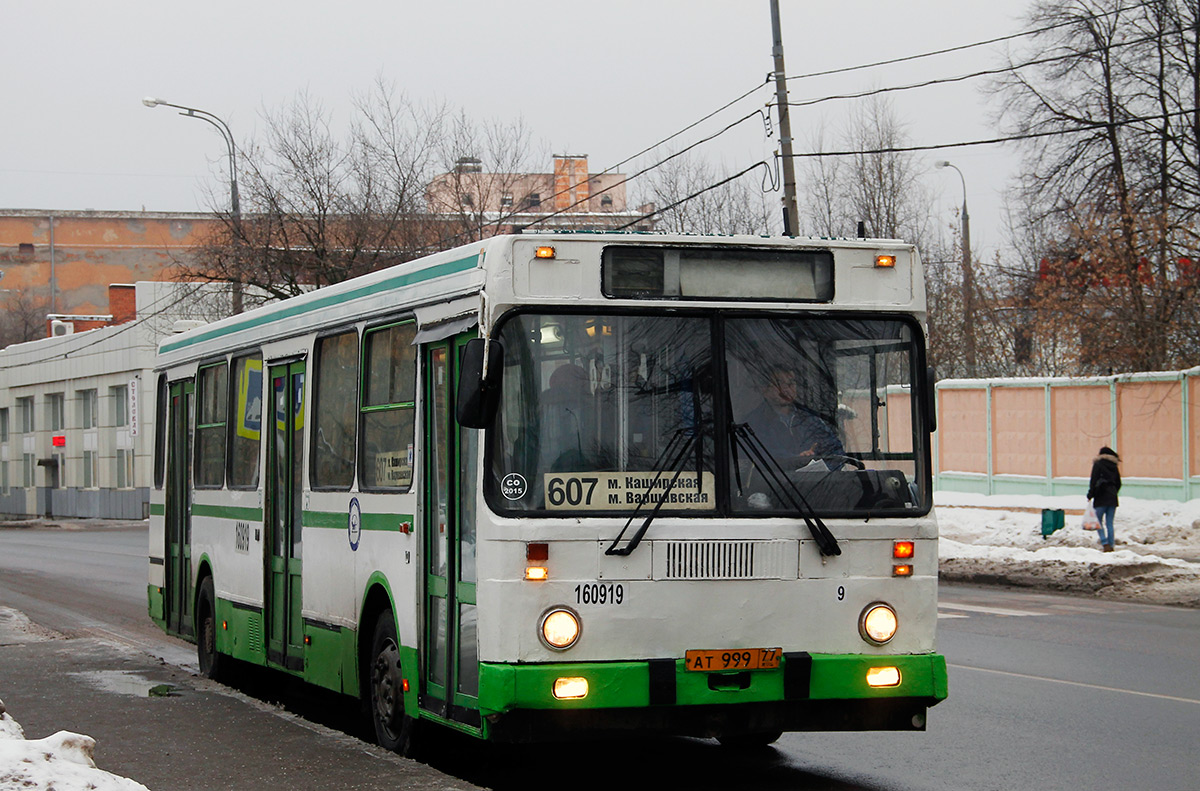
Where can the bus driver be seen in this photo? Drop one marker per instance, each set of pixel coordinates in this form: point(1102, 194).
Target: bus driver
point(793, 434)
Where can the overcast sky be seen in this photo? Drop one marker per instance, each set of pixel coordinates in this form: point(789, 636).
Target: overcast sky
point(605, 79)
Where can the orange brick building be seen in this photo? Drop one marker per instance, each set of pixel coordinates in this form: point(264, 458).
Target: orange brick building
point(68, 259)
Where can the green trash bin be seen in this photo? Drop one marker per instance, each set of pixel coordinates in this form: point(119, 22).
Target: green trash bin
point(1052, 519)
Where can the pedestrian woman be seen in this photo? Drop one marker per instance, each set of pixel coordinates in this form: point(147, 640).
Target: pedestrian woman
point(1102, 491)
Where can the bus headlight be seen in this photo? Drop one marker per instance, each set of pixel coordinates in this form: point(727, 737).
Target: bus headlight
point(878, 623)
point(559, 628)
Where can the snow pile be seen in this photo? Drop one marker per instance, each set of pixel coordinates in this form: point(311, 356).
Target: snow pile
point(998, 539)
point(63, 762)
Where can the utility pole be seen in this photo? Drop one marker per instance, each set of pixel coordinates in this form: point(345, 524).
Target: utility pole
point(791, 215)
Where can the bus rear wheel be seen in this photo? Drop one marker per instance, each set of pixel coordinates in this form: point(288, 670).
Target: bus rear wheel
point(212, 664)
point(393, 728)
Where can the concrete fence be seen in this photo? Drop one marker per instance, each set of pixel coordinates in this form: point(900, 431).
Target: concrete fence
point(1039, 435)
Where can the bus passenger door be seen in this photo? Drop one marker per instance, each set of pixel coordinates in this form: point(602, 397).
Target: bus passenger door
point(285, 454)
point(178, 515)
point(450, 649)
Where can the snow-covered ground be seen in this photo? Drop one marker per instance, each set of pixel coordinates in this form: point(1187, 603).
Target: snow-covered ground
point(998, 539)
point(63, 762)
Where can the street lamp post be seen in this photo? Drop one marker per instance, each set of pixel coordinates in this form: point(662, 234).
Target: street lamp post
point(219, 124)
point(968, 275)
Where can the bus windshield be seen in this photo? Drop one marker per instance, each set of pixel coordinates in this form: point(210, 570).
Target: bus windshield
point(709, 414)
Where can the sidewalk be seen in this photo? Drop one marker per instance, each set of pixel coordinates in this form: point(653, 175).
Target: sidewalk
point(168, 729)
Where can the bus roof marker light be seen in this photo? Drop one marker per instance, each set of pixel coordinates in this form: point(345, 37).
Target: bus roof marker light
point(885, 261)
point(544, 252)
point(903, 549)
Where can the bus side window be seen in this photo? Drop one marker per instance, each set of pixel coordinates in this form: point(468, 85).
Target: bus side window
point(389, 407)
point(335, 408)
point(212, 409)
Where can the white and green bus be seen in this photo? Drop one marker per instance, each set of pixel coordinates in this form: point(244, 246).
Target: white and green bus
point(558, 485)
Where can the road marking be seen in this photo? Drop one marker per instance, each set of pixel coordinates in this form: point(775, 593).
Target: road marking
point(1077, 684)
point(986, 610)
point(951, 615)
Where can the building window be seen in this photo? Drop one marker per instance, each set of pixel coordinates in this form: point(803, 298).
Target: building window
point(61, 477)
point(246, 432)
point(90, 470)
point(120, 405)
point(533, 200)
point(25, 249)
point(606, 202)
point(27, 468)
point(4, 424)
point(25, 407)
point(389, 407)
point(124, 471)
point(55, 412)
point(334, 410)
point(466, 200)
point(89, 412)
point(4, 487)
point(213, 408)
point(506, 200)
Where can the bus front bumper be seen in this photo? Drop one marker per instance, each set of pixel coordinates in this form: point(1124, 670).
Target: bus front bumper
point(807, 692)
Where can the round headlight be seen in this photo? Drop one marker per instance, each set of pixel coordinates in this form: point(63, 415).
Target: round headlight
point(560, 628)
point(878, 623)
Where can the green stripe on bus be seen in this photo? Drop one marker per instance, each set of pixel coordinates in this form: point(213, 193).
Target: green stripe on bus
point(157, 509)
point(286, 311)
point(338, 520)
point(228, 512)
point(503, 687)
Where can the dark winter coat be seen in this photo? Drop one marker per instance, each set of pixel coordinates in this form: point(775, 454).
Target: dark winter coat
point(1106, 478)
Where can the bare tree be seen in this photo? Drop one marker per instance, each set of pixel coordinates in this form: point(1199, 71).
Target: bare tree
point(739, 206)
point(24, 317)
point(1111, 180)
point(319, 206)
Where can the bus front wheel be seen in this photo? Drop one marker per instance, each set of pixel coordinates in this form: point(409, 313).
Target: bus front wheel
point(386, 688)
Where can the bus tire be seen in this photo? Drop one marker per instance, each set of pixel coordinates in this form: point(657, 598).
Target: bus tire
point(212, 664)
point(749, 741)
point(385, 688)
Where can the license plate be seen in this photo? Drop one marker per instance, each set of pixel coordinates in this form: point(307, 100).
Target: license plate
point(733, 659)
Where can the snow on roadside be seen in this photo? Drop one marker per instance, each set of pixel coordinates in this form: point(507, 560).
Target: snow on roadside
point(998, 538)
point(63, 762)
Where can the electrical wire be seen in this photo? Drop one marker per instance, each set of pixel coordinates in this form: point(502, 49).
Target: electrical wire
point(992, 140)
point(973, 75)
point(962, 47)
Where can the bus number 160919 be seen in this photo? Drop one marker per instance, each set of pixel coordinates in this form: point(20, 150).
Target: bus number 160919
point(599, 593)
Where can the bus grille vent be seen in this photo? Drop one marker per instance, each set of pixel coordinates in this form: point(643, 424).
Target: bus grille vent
point(725, 560)
point(255, 635)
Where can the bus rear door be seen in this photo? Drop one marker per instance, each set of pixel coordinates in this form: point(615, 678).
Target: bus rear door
point(177, 603)
point(285, 454)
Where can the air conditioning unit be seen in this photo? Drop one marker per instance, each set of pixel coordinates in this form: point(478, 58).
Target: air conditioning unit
point(58, 328)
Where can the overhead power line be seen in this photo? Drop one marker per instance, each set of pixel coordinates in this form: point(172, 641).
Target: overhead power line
point(993, 140)
point(961, 47)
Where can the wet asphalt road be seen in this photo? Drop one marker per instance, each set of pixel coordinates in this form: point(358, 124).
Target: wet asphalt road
point(1046, 692)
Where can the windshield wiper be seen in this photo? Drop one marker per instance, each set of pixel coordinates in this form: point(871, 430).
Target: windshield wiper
point(682, 447)
point(782, 487)
point(681, 443)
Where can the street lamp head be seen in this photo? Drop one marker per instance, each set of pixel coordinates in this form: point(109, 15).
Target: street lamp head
point(150, 101)
point(941, 164)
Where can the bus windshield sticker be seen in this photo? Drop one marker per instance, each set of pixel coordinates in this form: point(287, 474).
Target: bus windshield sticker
point(610, 491)
point(514, 486)
point(354, 524)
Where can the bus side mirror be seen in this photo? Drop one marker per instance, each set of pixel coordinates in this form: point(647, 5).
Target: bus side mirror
point(478, 397)
point(931, 399)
